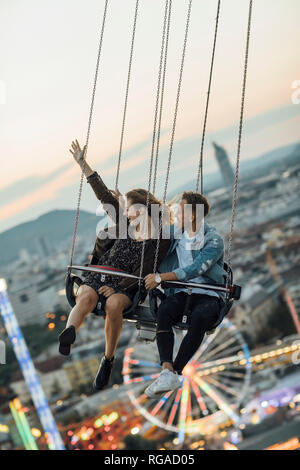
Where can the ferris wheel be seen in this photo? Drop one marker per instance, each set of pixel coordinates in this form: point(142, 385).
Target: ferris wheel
point(213, 383)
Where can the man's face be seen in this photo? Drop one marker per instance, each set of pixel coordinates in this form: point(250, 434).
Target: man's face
point(184, 215)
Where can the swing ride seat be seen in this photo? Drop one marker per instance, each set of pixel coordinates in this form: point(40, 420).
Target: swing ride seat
point(140, 313)
point(234, 293)
point(74, 282)
point(143, 310)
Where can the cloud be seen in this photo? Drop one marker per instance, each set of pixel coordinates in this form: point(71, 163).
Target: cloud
point(261, 121)
point(41, 193)
point(36, 192)
point(23, 187)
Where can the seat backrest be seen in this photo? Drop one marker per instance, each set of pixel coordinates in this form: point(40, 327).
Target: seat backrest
point(223, 312)
point(71, 280)
point(230, 274)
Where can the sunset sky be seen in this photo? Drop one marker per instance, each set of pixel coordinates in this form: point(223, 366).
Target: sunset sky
point(48, 53)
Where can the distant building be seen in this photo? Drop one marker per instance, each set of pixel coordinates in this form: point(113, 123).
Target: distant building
point(224, 164)
point(81, 372)
point(253, 312)
point(24, 256)
point(52, 375)
point(42, 247)
point(26, 303)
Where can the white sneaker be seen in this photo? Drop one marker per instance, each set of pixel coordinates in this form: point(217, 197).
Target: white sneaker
point(165, 382)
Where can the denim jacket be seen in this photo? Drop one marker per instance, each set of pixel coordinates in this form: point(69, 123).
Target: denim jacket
point(208, 261)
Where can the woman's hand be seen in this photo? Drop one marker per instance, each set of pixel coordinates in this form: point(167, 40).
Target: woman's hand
point(119, 196)
point(150, 282)
point(106, 291)
point(77, 153)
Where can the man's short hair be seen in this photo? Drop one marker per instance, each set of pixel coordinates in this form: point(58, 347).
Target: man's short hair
point(194, 198)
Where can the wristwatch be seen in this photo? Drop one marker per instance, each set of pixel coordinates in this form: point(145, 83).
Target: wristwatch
point(157, 278)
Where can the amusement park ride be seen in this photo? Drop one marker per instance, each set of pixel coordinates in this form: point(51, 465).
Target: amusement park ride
point(235, 367)
point(216, 381)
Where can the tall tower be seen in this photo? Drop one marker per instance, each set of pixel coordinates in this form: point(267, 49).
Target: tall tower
point(224, 164)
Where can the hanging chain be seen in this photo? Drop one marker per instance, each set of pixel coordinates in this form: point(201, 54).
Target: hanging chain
point(200, 169)
point(161, 99)
point(155, 126)
point(236, 178)
point(126, 94)
point(88, 134)
point(173, 131)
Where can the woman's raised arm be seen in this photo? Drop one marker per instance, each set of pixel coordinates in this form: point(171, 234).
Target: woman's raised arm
point(100, 189)
point(78, 155)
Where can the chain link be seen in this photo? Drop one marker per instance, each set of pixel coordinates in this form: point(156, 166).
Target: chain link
point(155, 121)
point(236, 178)
point(126, 94)
point(173, 132)
point(88, 134)
point(162, 99)
point(200, 168)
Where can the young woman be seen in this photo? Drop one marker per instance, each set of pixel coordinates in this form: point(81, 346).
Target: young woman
point(116, 293)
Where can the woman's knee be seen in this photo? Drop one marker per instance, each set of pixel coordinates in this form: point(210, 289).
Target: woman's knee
point(87, 298)
point(115, 305)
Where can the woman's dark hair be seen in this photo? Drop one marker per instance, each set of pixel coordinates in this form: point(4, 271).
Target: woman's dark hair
point(139, 196)
point(194, 198)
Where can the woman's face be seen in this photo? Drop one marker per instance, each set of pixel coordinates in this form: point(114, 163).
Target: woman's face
point(130, 210)
point(137, 214)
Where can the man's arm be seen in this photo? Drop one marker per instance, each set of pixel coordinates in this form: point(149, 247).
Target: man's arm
point(209, 255)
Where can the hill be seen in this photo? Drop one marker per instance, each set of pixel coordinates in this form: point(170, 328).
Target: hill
point(56, 226)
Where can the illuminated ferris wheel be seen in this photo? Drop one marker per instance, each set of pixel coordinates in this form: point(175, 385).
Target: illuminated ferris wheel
point(213, 384)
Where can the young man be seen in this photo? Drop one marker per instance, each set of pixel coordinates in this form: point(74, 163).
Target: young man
point(196, 257)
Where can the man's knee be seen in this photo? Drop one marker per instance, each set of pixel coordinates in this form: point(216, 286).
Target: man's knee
point(167, 314)
point(205, 317)
point(168, 306)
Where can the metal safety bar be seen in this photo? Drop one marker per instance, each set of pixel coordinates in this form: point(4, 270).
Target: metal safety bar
point(234, 290)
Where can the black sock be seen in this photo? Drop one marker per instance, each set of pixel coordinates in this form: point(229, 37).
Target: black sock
point(110, 359)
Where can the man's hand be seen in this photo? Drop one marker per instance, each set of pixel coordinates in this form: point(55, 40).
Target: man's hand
point(150, 282)
point(77, 153)
point(106, 291)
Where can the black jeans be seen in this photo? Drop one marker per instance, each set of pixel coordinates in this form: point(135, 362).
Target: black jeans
point(204, 312)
